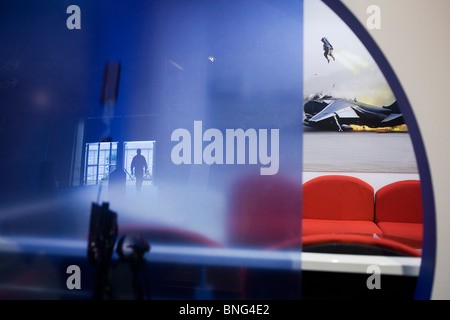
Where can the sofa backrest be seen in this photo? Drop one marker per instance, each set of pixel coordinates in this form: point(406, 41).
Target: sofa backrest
point(400, 201)
point(338, 197)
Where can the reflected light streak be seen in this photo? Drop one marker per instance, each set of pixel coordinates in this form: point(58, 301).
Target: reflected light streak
point(50, 246)
point(27, 208)
point(176, 65)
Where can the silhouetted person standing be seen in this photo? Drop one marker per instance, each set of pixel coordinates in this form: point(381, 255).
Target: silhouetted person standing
point(138, 169)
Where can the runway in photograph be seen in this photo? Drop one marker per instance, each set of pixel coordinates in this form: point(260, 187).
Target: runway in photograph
point(390, 152)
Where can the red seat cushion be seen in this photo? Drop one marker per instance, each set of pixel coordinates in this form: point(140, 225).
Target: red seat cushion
point(322, 226)
point(403, 230)
point(336, 197)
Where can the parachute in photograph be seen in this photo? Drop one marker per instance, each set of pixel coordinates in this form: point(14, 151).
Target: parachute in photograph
point(327, 43)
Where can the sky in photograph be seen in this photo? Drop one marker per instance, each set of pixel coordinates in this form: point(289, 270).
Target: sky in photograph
point(354, 74)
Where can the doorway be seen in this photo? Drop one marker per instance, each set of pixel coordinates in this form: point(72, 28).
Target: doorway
point(147, 150)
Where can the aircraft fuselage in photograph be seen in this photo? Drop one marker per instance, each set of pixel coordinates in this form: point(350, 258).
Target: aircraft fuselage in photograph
point(329, 113)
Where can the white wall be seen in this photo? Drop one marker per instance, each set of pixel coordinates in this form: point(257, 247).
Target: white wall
point(414, 39)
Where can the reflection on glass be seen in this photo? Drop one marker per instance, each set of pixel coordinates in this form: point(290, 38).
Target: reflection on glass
point(101, 160)
point(147, 151)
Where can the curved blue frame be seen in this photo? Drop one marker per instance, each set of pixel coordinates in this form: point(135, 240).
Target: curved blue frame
point(426, 276)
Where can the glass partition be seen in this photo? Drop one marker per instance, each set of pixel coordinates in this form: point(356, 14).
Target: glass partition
point(208, 93)
point(101, 160)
